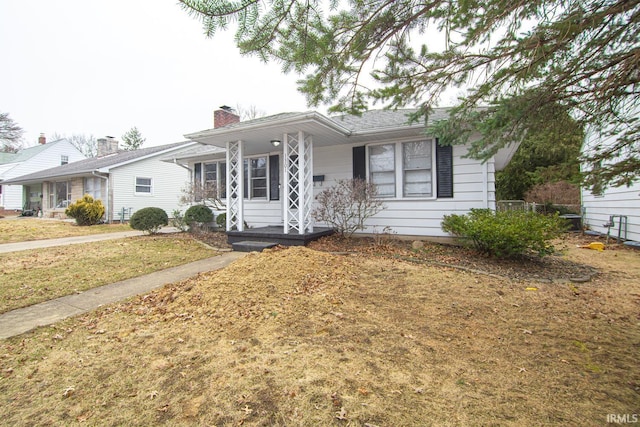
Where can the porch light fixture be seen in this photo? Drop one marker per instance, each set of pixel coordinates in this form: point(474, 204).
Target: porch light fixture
point(275, 142)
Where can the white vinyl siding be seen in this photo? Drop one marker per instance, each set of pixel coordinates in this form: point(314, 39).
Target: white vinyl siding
point(410, 216)
point(168, 180)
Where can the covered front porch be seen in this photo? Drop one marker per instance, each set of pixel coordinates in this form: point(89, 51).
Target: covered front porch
point(268, 177)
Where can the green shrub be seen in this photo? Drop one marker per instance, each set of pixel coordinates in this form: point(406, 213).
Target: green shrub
point(197, 217)
point(177, 220)
point(221, 220)
point(149, 220)
point(86, 211)
point(506, 234)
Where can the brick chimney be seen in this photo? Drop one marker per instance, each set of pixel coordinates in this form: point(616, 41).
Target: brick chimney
point(224, 116)
point(42, 139)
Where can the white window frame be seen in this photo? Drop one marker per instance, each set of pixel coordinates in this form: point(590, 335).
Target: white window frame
point(143, 193)
point(399, 168)
point(250, 179)
point(96, 187)
point(221, 170)
point(64, 159)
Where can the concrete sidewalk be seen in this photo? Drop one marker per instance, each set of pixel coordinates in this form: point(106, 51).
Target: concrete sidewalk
point(22, 320)
point(19, 321)
point(49, 243)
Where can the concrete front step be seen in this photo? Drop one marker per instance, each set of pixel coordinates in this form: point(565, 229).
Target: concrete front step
point(252, 246)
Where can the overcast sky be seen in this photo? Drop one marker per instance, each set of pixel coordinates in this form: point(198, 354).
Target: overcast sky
point(101, 67)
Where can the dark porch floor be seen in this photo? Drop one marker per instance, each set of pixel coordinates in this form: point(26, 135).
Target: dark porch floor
point(275, 234)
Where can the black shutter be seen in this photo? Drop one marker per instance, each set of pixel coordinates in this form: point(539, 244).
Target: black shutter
point(359, 163)
point(274, 177)
point(444, 169)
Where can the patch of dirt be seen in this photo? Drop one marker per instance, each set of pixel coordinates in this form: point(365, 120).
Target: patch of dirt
point(215, 239)
point(551, 268)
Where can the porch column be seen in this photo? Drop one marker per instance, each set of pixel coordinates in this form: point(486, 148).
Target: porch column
point(235, 186)
point(298, 182)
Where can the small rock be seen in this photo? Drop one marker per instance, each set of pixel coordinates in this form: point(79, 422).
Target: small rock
point(417, 244)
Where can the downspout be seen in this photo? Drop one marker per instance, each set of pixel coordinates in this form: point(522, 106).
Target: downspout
point(485, 185)
point(108, 211)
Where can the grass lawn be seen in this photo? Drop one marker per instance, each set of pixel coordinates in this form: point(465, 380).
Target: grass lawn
point(30, 277)
point(299, 337)
point(26, 229)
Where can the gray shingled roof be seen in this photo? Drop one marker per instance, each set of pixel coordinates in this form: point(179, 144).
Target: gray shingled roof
point(367, 121)
point(383, 119)
point(83, 167)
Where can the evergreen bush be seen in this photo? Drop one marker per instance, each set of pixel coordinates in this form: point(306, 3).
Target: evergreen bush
point(86, 211)
point(507, 234)
point(150, 220)
point(197, 217)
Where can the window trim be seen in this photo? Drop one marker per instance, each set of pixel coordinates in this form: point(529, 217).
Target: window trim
point(136, 185)
point(399, 168)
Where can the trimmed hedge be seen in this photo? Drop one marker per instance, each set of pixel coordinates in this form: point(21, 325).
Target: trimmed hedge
point(150, 220)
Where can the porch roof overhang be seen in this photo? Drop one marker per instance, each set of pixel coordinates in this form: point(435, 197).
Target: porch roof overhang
point(258, 134)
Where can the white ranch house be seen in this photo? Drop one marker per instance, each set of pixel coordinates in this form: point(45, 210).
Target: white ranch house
point(43, 156)
point(271, 169)
point(125, 181)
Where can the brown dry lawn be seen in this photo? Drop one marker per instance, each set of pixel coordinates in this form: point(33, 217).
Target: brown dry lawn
point(299, 337)
point(26, 229)
point(33, 276)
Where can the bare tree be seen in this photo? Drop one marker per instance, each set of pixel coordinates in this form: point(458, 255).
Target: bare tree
point(249, 113)
point(86, 144)
point(10, 134)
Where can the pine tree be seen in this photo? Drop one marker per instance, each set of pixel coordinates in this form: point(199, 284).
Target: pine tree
point(132, 139)
point(522, 58)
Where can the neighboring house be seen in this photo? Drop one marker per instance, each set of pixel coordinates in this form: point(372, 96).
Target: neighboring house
point(45, 155)
point(606, 210)
point(273, 168)
point(125, 181)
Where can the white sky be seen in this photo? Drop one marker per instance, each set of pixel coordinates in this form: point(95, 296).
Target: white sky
point(100, 67)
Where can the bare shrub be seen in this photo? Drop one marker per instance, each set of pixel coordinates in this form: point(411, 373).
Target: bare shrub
point(197, 192)
point(347, 205)
point(557, 193)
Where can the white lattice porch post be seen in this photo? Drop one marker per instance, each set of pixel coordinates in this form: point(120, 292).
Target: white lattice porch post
point(290, 197)
point(235, 186)
point(305, 181)
point(298, 182)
